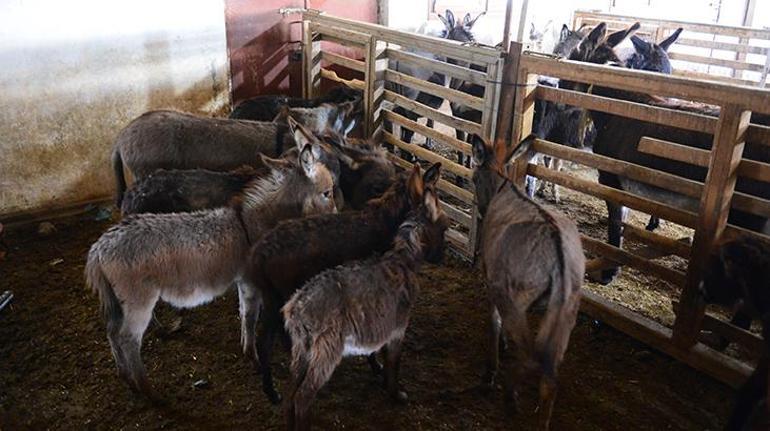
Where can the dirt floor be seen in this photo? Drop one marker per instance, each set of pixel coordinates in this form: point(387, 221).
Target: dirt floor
point(56, 371)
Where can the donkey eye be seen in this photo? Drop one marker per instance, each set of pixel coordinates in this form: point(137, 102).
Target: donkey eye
point(328, 194)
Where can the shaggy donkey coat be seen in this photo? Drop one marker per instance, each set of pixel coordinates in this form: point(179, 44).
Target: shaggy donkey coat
point(528, 253)
point(358, 309)
point(176, 140)
point(286, 257)
point(188, 259)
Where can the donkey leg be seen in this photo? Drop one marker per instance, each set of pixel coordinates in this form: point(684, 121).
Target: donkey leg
point(250, 302)
point(616, 217)
point(547, 162)
point(493, 349)
point(748, 395)
point(558, 164)
point(320, 368)
point(552, 344)
point(137, 316)
point(514, 320)
point(271, 324)
point(374, 364)
point(392, 367)
point(653, 224)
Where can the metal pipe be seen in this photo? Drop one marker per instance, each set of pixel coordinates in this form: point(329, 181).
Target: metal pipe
point(507, 26)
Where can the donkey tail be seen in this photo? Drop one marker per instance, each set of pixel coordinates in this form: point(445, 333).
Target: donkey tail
point(299, 353)
point(559, 319)
point(120, 179)
point(97, 280)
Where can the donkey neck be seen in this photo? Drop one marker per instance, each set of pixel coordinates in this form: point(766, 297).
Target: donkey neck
point(407, 250)
point(261, 201)
point(389, 210)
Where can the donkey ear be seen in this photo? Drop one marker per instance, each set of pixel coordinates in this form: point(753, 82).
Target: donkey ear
point(640, 45)
point(270, 163)
point(283, 113)
point(616, 38)
point(597, 34)
point(666, 44)
point(431, 205)
point(432, 175)
point(450, 19)
point(308, 159)
point(301, 136)
point(469, 23)
point(480, 152)
point(564, 34)
point(351, 124)
point(414, 185)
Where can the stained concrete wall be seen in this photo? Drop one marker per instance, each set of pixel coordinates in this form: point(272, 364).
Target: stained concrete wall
point(73, 73)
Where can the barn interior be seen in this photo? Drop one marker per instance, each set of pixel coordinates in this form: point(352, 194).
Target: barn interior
point(645, 353)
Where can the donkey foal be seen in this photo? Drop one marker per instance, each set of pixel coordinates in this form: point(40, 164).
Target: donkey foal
point(358, 309)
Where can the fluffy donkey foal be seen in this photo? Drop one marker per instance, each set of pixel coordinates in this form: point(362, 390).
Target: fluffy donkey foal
point(528, 253)
point(296, 250)
point(358, 309)
point(188, 259)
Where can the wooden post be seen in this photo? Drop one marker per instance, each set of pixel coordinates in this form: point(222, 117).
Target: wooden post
point(311, 66)
point(507, 26)
point(522, 21)
point(726, 154)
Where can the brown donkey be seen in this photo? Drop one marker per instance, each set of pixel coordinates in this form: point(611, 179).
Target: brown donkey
point(188, 259)
point(359, 309)
point(176, 140)
point(296, 250)
point(528, 253)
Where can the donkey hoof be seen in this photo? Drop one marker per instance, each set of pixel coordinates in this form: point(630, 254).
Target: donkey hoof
point(608, 276)
point(273, 396)
point(400, 397)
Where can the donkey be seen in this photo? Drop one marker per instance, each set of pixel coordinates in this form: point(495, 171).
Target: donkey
point(528, 254)
point(266, 108)
point(176, 190)
point(359, 308)
point(737, 276)
point(186, 190)
point(340, 118)
point(460, 31)
point(175, 140)
point(618, 137)
point(188, 259)
point(365, 170)
point(289, 255)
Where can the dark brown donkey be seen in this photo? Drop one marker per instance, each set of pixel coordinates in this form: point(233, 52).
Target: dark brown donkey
point(528, 253)
point(286, 257)
point(359, 309)
point(188, 259)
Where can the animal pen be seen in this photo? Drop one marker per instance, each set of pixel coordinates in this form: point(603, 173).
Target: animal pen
point(511, 88)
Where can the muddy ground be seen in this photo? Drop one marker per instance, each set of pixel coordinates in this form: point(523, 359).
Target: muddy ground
point(56, 371)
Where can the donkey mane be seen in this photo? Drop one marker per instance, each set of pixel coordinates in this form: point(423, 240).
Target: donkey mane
point(260, 190)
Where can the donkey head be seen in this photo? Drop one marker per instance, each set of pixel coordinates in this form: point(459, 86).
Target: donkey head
point(486, 175)
point(365, 170)
point(460, 31)
point(433, 223)
point(568, 40)
point(734, 268)
point(311, 186)
point(339, 117)
point(597, 48)
point(652, 56)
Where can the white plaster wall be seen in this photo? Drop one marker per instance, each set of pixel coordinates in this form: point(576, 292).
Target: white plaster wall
point(75, 72)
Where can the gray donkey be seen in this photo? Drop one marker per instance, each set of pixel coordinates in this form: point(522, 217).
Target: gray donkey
point(175, 140)
point(528, 253)
point(188, 259)
point(360, 308)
